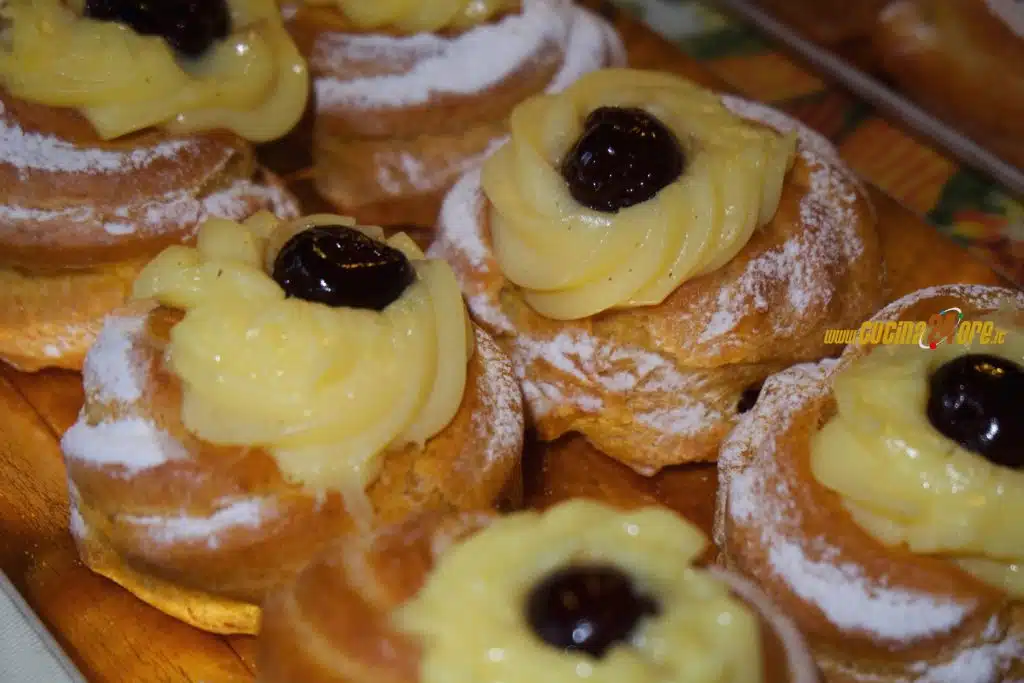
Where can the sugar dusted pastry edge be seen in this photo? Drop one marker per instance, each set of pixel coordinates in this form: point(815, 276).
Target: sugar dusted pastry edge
point(750, 317)
point(873, 614)
point(201, 534)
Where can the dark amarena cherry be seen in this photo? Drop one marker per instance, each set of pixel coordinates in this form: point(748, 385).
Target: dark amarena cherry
point(341, 267)
point(587, 609)
point(977, 400)
point(624, 157)
point(189, 26)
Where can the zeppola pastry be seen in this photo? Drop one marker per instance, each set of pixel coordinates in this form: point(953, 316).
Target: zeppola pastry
point(581, 592)
point(410, 95)
point(122, 126)
point(876, 498)
point(963, 60)
point(276, 385)
point(647, 252)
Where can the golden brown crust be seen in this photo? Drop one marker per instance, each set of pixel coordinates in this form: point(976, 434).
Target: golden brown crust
point(74, 201)
point(963, 62)
point(871, 612)
point(387, 156)
point(332, 624)
point(330, 61)
point(179, 514)
point(51, 320)
point(659, 386)
point(50, 315)
point(392, 181)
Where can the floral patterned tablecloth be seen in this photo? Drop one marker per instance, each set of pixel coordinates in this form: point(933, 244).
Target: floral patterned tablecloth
point(967, 206)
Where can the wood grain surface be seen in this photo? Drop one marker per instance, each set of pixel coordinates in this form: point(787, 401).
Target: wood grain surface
point(112, 637)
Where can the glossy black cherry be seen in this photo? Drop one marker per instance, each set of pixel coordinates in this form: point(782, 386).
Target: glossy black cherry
point(190, 27)
point(977, 400)
point(624, 157)
point(748, 398)
point(341, 267)
point(587, 609)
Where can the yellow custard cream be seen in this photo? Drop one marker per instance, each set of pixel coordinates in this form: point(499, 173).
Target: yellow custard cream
point(470, 613)
point(254, 82)
point(571, 261)
point(420, 16)
point(904, 482)
point(325, 390)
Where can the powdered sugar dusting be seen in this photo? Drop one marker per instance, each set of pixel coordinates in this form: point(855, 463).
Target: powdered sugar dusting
point(460, 220)
point(464, 64)
point(111, 374)
point(781, 396)
point(1011, 12)
point(593, 44)
point(812, 568)
point(592, 369)
point(664, 401)
point(982, 296)
point(172, 211)
point(504, 415)
point(848, 600)
point(396, 175)
point(131, 443)
point(245, 513)
point(69, 340)
point(460, 226)
point(37, 152)
point(829, 216)
point(422, 66)
point(76, 523)
point(984, 663)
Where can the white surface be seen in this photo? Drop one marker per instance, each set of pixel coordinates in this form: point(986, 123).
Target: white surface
point(28, 654)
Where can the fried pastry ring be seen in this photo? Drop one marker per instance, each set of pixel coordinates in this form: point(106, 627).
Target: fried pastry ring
point(400, 118)
point(872, 612)
point(333, 623)
point(661, 385)
point(80, 218)
point(203, 531)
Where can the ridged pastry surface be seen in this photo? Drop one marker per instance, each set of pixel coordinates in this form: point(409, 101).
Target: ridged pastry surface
point(401, 117)
point(326, 389)
point(659, 385)
point(872, 612)
point(637, 255)
point(202, 531)
point(360, 631)
point(81, 216)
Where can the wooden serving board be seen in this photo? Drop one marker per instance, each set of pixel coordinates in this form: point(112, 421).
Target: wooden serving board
point(113, 637)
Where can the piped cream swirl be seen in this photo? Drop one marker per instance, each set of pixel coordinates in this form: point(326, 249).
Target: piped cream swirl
point(470, 612)
point(907, 484)
point(571, 261)
point(325, 390)
point(254, 82)
point(416, 16)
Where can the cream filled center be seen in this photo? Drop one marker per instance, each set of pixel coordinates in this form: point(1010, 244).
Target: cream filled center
point(326, 390)
point(253, 82)
point(471, 613)
point(571, 261)
point(905, 482)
